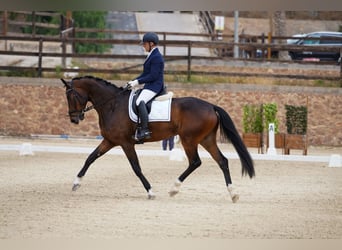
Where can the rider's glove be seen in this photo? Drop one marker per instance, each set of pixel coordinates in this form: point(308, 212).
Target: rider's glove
point(132, 84)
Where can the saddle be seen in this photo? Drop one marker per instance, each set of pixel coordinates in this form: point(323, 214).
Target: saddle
point(159, 108)
point(149, 103)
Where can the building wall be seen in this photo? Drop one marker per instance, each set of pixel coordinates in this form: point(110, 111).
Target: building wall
point(38, 106)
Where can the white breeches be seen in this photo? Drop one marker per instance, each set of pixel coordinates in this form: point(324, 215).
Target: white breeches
point(146, 95)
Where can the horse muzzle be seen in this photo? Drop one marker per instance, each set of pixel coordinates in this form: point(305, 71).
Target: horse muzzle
point(76, 117)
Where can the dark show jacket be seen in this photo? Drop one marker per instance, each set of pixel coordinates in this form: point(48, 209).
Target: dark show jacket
point(153, 73)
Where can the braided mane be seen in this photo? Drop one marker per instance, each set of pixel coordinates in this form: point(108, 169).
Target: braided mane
point(97, 79)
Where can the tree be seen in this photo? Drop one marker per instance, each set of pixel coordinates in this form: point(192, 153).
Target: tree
point(39, 19)
point(90, 19)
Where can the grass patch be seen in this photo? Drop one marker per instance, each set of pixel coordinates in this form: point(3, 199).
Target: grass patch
point(16, 73)
point(200, 75)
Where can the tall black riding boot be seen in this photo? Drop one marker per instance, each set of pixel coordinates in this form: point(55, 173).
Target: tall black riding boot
point(144, 133)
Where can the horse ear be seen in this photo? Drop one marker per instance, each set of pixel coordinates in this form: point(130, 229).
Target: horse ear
point(65, 83)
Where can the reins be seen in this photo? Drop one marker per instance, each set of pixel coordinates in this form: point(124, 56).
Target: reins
point(86, 109)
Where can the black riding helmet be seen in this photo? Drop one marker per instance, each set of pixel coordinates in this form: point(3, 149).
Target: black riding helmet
point(150, 37)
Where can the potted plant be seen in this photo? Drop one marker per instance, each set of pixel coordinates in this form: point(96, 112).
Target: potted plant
point(253, 126)
point(270, 116)
point(296, 124)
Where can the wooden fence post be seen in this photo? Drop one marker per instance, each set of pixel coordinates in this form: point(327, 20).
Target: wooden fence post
point(164, 47)
point(33, 23)
point(4, 27)
point(40, 59)
point(189, 60)
point(262, 51)
point(73, 37)
point(269, 50)
point(63, 52)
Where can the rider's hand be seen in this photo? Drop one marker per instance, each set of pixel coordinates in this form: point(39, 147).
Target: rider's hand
point(132, 84)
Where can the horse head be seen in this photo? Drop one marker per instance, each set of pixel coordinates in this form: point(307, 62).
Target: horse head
point(76, 101)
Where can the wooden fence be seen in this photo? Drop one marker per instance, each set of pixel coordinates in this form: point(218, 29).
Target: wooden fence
point(188, 57)
point(221, 49)
point(10, 26)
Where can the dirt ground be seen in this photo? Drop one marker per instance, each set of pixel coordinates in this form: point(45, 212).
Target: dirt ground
point(286, 200)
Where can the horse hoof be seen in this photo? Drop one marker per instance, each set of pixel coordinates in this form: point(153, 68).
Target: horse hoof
point(75, 187)
point(173, 193)
point(151, 196)
point(235, 198)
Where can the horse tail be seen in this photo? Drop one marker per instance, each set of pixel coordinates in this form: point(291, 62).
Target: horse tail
point(228, 131)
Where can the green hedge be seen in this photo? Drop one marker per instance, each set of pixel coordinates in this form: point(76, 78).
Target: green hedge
point(256, 118)
point(252, 119)
point(296, 119)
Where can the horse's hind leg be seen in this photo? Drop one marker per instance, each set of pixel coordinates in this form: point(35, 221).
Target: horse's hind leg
point(194, 162)
point(99, 151)
point(210, 145)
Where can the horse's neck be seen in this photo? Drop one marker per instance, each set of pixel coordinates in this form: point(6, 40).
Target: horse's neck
point(107, 100)
point(99, 93)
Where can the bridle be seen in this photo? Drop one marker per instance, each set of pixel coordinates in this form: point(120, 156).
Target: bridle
point(78, 96)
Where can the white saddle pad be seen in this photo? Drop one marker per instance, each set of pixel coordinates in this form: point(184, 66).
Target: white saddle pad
point(160, 110)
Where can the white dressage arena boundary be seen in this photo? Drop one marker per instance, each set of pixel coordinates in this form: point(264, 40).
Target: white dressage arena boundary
point(28, 149)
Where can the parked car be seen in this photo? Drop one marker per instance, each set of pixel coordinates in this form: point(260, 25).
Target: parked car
point(322, 38)
point(275, 53)
point(295, 38)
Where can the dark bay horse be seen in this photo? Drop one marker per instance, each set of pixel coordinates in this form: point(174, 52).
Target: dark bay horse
point(194, 120)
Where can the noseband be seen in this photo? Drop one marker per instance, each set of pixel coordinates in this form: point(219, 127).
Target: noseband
point(77, 98)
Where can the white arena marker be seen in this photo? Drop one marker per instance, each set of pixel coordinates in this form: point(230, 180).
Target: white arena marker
point(335, 160)
point(26, 149)
point(271, 148)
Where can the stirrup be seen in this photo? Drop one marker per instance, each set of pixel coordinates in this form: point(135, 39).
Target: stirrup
point(145, 135)
point(141, 135)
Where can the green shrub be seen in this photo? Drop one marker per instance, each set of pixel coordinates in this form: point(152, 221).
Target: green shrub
point(90, 19)
point(296, 119)
point(252, 119)
point(42, 30)
point(270, 115)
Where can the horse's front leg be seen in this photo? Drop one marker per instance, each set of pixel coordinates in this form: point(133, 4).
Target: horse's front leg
point(133, 160)
point(99, 151)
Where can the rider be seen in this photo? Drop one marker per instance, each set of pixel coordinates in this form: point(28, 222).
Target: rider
point(153, 79)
